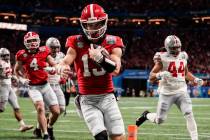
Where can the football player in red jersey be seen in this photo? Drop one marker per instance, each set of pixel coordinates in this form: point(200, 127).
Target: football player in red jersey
point(33, 61)
point(97, 57)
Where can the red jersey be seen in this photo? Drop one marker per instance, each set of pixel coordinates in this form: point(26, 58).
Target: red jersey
point(92, 78)
point(34, 64)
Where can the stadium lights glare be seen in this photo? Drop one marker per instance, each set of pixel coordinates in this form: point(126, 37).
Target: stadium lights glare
point(13, 26)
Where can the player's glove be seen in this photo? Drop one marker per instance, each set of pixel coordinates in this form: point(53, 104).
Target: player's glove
point(50, 70)
point(64, 71)
point(163, 75)
point(95, 53)
point(198, 81)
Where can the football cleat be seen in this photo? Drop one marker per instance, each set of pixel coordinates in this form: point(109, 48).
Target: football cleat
point(37, 133)
point(142, 118)
point(46, 137)
point(24, 128)
point(50, 132)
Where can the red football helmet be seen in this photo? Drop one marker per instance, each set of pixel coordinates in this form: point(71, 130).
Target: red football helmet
point(94, 21)
point(31, 41)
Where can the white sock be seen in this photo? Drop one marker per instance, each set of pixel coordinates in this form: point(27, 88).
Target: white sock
point(21, 123)
point(38, 126)
point(49, 126)
point(192, 126)
point(46, 133)
point(152, 117)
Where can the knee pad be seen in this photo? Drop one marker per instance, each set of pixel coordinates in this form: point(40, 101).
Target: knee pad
point(101, 136)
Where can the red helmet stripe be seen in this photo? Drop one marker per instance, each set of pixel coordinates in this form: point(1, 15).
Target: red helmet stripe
point(176, 41)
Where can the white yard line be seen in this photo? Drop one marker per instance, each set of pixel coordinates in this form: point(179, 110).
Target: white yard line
point(70, 121)
point(153, 134)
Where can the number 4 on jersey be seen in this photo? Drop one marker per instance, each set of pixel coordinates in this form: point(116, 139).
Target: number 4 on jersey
point(34, 64)
point(172, 68)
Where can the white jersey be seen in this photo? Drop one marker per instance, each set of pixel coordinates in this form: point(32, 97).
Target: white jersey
point(54, 79)
point(5, 73)
point(176, 66)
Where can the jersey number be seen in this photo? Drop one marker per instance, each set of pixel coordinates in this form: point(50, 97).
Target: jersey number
point(86, 72)
point(34, 64)
point(173, 69)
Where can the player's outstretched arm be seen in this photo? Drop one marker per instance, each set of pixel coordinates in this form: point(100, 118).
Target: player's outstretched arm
point(155, 72)
point(19, 74)
point(190, 77)
point(63, 68)
point(18, 69)
point(51, 61)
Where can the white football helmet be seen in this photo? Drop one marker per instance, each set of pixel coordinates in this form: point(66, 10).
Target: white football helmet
point(173, 45)
point(54, 44)
point(5, 54)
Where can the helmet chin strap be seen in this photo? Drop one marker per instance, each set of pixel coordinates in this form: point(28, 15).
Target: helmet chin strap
point(96, 38)
point(32, 50)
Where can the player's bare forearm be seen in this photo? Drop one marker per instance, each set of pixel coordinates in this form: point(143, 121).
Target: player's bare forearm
point(117, 60)
point(116, 57)
point(51, 61)
point(17, 69)
point(69, 58)
point(152, 76)
point(189, 76)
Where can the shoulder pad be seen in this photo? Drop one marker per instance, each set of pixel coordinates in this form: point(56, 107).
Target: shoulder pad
point(110, 39)
point(71, 41)
point(157, 57)
point(20, 54)
point(115, 42)
point(184, 55)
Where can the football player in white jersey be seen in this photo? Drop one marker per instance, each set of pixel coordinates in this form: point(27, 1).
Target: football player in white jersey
point(54, 79)
point(171, 70)
point(7, 94)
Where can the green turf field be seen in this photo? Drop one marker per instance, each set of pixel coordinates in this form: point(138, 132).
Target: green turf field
point(73, 128)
